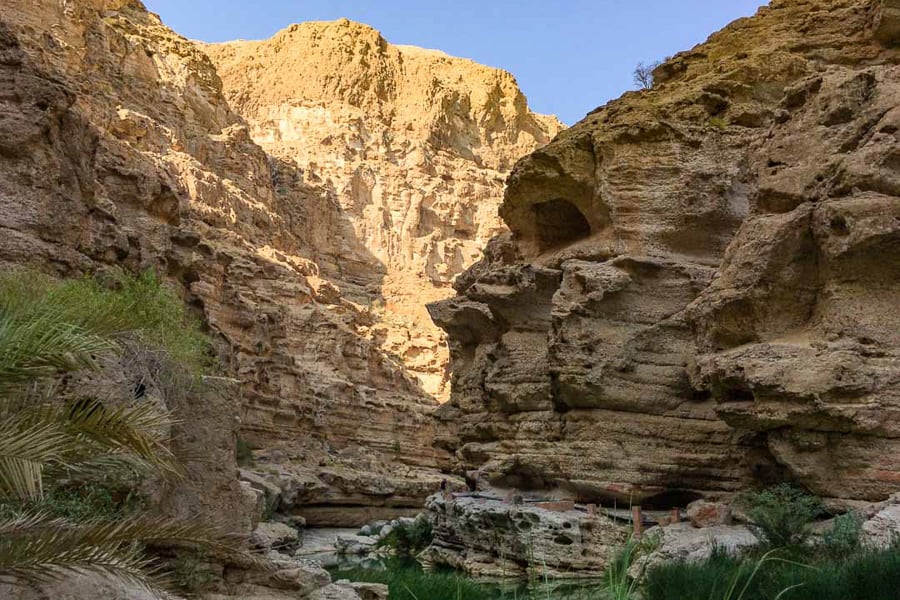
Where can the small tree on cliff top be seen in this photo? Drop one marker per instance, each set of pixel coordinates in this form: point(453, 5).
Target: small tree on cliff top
point(643, 74)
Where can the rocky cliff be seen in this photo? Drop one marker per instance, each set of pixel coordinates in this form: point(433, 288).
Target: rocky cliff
point(413, 147)
point(701, 288)
point(118, 147)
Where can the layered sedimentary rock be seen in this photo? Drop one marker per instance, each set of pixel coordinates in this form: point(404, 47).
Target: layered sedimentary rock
point(493, 539)
point(119, 148)
point(412, 145)
point(701, 290)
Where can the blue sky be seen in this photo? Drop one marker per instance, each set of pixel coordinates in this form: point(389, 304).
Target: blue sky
point(569, 56)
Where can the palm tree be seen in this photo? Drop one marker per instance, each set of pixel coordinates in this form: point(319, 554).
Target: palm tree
point(48, 330)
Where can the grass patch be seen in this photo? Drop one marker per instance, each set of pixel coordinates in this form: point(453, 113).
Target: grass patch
point(868, 575)
point(617, 583)
point(407, 581)
point(787, 564)
point(115, 305)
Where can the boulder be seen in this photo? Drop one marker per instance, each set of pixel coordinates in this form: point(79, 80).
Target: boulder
point(81, 587)
point(335, 591)
point(270, 491)
point(285, 578)
point(295, 521)
point(490, 538)
point(882, 528)
point(274, 536)
point(683, 541)
point(702, 513)
point(355, 545)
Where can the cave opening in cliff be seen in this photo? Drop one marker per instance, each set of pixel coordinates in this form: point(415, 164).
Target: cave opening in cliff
point(670, 499)
point(559, 223)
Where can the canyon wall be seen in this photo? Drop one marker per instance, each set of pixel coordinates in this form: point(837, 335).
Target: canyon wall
point(412, 145)
point(701, 287)
point(118, 148)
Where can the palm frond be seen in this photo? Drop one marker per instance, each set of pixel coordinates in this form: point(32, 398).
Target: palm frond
point(81, 437)
point(38, 547)
point(137, 433)
point(30, 522)
point(36, 346)
point(100, 467)
point(25, 449)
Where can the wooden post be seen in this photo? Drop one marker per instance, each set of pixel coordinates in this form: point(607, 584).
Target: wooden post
point(638, 521)
point(676, 515)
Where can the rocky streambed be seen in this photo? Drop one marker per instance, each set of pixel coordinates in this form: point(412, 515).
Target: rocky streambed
point(491, 538)
point(490, 545)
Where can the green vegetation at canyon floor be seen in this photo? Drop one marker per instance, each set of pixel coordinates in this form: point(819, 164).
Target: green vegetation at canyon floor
point(790, 562)
point(863, 575)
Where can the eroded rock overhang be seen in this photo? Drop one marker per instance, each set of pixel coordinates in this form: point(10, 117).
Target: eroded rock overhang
point(701, 288)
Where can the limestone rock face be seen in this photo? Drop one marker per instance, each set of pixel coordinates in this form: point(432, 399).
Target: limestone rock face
point(700, 290)
point(119, 148)
point(881, 523)
point(684, 542)
point(412, 146)
point(492, 539)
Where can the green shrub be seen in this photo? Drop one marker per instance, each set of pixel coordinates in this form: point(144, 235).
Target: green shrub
point(243, 453)
point(408, 539)
point(617, 583)
point(843, 539)
point(79, 503)
point(781, 516)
